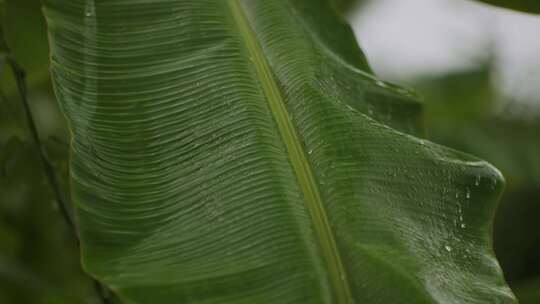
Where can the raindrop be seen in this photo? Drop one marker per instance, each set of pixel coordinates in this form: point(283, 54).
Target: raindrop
point(447, 248)
point(468, 195)
point(402, 91)
point(89, 11)
point(463, 226)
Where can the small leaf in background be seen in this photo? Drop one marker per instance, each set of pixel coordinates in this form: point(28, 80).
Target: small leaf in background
point(528, 6)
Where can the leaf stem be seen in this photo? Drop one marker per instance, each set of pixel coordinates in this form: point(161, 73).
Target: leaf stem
point(20, 78)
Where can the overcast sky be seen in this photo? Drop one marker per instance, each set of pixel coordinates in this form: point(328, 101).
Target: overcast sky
point(408, 38)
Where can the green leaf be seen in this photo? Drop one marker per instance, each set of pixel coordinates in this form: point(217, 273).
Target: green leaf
point(461, 112)
point(242, 152)
point(527, 6)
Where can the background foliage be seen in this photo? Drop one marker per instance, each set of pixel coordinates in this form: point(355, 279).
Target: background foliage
point(38, 254)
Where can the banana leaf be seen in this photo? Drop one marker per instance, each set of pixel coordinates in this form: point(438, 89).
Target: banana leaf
point(228, 151)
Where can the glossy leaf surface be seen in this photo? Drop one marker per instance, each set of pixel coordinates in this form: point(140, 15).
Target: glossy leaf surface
point(242, 152)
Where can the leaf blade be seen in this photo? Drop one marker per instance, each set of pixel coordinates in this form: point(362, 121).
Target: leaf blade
point(184, 187)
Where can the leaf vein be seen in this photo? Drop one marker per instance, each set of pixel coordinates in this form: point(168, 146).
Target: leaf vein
point(297, 155)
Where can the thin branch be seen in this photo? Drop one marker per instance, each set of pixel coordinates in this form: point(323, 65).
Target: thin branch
point(103, 292)
point(20, 78)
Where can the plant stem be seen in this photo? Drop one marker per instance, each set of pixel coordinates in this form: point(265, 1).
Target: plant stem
point(49, 171)
point(20, 78)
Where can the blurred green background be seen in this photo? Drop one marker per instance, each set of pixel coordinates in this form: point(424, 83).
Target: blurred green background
point(475, 67)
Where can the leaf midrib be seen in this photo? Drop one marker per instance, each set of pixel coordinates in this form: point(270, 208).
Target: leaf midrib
point(297, 155)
